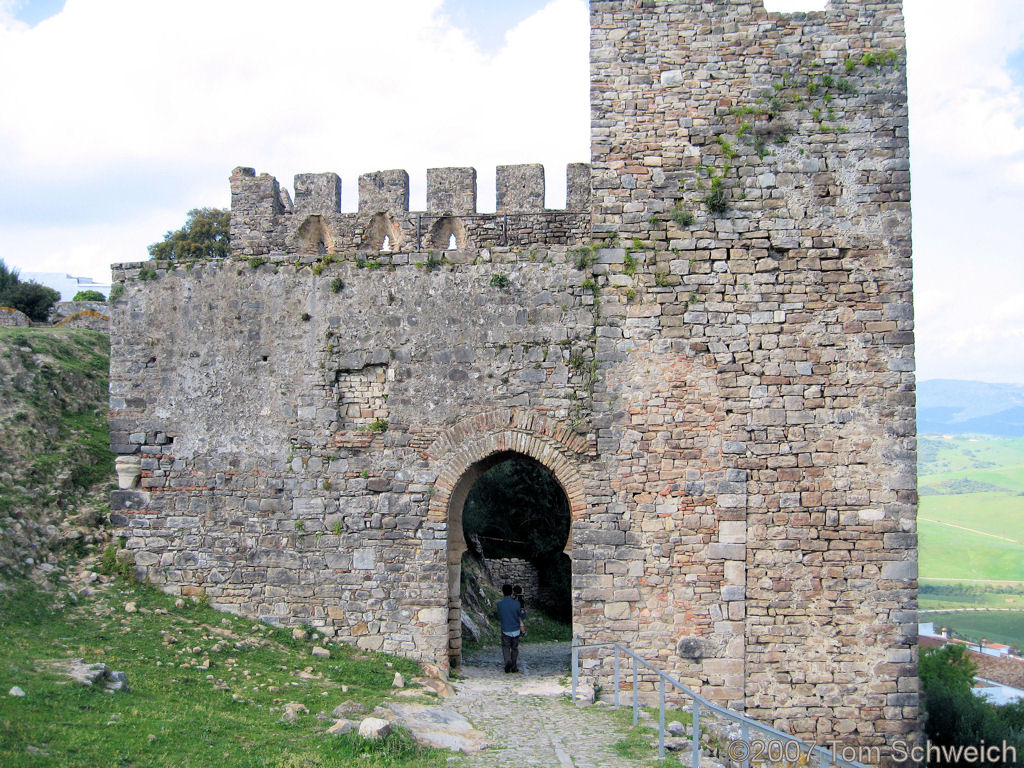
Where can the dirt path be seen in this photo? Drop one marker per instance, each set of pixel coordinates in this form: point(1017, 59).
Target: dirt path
point(528, 716)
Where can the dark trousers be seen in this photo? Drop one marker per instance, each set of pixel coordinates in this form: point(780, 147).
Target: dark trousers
point(510, 651)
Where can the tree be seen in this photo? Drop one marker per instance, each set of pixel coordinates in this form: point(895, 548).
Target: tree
point(205, 235)
point(954, 716)
point(31, 298)
point(8, 277)
point(518, 509)
point(89, 295)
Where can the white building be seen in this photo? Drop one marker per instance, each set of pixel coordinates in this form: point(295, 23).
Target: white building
point(65, 284)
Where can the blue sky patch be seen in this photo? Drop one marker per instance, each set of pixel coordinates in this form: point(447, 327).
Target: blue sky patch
point(32, 12)
point(1015, 63)
point(487, 21)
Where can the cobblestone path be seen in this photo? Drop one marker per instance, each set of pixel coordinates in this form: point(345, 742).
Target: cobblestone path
point(528, 717)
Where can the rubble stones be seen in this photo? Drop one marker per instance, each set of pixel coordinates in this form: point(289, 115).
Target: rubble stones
point(374, 728)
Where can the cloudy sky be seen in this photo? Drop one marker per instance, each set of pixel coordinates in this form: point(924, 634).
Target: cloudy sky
point(117, 116)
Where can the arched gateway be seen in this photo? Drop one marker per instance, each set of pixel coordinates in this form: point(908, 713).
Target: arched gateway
point(471, 448)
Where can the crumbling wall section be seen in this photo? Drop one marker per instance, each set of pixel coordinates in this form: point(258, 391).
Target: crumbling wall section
point(279, 417)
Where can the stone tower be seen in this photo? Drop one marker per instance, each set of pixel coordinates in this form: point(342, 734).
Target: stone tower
point(710, 348)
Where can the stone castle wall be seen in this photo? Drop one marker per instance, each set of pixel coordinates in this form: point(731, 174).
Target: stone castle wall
point(714, 358)
point(264, 219)
point(784, 318)
point(288, 433)
point(510, 570)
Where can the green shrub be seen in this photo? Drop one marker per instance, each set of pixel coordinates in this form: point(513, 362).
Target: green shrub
point(205, 234)
point(584, 257)
point(31, 298)
point(500, 281)
point(337, 284)
point(89, 295)
point(715, 200)
point(112, 565)
point(682, 217)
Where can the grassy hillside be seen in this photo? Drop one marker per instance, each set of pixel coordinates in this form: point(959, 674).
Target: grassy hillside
point(971, 533)
point(971, 515)
point(54, 457)
point(206, 689)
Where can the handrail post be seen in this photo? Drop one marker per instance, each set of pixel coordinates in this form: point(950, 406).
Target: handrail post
point(636, 693)
point(826, 758)
point(696, 734)
point(661, 715)
point(616, 677)
point(575, 666)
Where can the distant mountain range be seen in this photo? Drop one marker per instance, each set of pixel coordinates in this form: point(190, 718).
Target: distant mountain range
point(952, 407)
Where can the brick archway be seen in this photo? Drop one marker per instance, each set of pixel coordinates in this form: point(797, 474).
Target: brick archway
point(467, 450)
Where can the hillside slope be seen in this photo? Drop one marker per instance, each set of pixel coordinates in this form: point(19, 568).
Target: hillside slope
point(971, 513)
point(55, 463)
point(953, 407)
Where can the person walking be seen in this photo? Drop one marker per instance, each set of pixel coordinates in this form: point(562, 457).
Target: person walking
point(517, 594)
point(510, 615)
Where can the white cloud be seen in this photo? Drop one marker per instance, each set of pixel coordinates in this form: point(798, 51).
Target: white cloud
point(171, 95)
point(967, 152)
point(125, 114)
point(966, 105)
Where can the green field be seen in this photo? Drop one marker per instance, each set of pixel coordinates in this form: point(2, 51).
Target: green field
point(971, 534)
point(996, 627)
point(971, 515)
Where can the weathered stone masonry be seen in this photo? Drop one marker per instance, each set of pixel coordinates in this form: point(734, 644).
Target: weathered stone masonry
point(712, 352)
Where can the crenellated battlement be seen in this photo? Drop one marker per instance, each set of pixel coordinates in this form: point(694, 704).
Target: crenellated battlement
point(264, 217)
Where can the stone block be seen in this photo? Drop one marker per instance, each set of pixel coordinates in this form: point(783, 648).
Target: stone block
point(520, 188)
point(617, 610)
point(384, 192)
point(364, 559)
point(899, 570)
point(317, 193)
point(732, 532)
point(451, 191)
point(727, 551)
point(122, 500)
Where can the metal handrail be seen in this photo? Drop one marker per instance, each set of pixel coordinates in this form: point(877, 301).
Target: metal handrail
point(826, 757)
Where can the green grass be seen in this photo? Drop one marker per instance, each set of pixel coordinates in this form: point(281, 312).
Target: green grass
point(952, 553)
point(935, 595)
point(939, 457)
point(177, 713)
point(972, 491)
point(996, 627)
point(540, 628)
point(57, 420)
point(636, 745)
point(641, 742)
